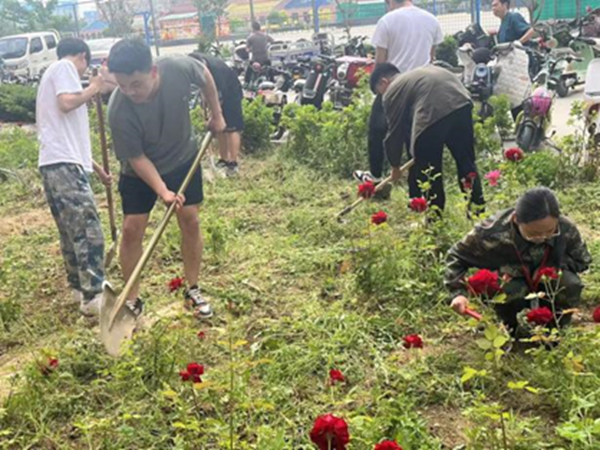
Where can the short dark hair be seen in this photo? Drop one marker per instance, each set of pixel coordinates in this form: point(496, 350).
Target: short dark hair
point(128, 56)
point(255, 26)
point(72, 46)
point(382, 70)
point(537, 204)
point(505, 2)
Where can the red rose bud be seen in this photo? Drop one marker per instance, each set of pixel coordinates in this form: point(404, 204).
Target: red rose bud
point(514, 154)
point(53, 363)
point(418, 204)
point(387, 445)
point(596, 315)
point(468, 180)
point(413, 341)
point(201, 335)
point(330, 433)
point(378, 218)
point(366, 190)
point(336, 375)
point(175, 284)
point(548, 272)
point(185, 375)
point(485, 282)
point(540, 316)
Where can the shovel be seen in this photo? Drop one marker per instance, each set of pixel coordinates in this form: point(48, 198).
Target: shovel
point(114, 234)
point(117, 321)
point(378, 188)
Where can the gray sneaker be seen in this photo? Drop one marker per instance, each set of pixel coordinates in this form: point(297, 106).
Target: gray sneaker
point(233, 169)
point(199, 306)
point(91, 307)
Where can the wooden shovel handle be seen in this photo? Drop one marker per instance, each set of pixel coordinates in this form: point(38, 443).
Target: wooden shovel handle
point(137, 271)
point(383, 183)
point(474, 314)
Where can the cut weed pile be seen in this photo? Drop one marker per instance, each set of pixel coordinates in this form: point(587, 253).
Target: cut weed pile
point(296, 294)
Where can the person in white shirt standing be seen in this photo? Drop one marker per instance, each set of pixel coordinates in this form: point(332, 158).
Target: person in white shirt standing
point(406, 37)
point(65, 163)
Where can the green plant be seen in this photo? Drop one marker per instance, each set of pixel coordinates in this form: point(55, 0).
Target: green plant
point(257, 126)
point(17, 103)
point(446, 51)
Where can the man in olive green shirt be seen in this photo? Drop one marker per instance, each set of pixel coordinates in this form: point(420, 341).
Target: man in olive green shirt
point(426, 109)
point(152, 138)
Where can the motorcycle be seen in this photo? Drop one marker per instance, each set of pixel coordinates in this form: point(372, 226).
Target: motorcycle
point(592, 104)
point(504, 70)
point(347, 76)
point(317, 82)
point(581, 48)
point(533, 122)
point(274, 96)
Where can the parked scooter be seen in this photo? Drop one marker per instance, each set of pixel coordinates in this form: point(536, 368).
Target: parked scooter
point(317, 83)
point(347, 76)
point(504, 70)
point(533, 122)
point(592, 104)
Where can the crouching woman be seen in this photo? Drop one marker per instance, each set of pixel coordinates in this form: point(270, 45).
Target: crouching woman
point(532, 247)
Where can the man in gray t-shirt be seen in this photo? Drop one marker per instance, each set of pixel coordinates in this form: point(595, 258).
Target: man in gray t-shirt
point(152, 137)
point(258, 44)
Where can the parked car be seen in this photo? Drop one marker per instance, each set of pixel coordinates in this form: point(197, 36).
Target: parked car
point(28, 55)
point(100, 48)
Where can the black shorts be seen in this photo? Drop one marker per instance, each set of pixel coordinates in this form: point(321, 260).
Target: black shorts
point(231, 101)
point(138, 198)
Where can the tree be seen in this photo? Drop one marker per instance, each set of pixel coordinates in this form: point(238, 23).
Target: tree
point(347, 10)
point(214, 8)
point(118, 14)
point(277, 18)
point(32, 15)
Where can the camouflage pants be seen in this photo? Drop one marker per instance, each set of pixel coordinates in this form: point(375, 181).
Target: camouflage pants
point(569, 295)
point(71, 201)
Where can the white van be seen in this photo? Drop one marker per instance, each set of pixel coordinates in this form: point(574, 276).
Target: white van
point(28, 54)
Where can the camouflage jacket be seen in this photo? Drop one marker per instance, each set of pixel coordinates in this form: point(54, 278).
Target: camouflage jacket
point(495, 244)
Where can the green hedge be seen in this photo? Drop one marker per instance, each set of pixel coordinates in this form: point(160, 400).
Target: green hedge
point(17, 103)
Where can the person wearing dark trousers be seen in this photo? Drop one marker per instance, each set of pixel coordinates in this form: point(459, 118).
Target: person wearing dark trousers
point(405, 37)
point(231, 98)
point(426, 109)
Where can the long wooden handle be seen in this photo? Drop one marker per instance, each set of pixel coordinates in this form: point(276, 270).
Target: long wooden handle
point(383, 183)
point(106, 166)
point(137, 271)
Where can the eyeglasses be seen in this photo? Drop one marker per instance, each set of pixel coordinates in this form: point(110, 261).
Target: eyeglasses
point(539, 239)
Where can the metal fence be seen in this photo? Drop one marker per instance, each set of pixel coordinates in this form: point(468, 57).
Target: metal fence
point(453, 15)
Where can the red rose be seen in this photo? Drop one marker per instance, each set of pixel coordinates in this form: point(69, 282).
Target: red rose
point(387, 445)
point(175, 284)
point(413, 341)
point(468, 180)
point(548, 272)
point(193, 372)
point(514, 154)
point(596, 315)
point(201, 335)
point(540, 316)
point(336, 375)
point(185, 375)
point(366, 190)
point(330, 433)
point(418, 204)
point(53, 363)
point(485, 282)
point(50, 366)
point(378, 218)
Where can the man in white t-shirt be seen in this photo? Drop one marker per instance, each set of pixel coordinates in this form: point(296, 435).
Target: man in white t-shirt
point(65, 163)
point(406, 37)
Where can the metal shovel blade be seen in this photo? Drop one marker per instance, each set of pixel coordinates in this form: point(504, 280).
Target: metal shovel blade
point(123, 326)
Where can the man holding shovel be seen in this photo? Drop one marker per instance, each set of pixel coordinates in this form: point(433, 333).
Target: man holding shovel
point(65, 163)
point(153, 139)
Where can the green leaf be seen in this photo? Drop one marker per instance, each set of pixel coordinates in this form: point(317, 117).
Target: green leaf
point(499, 341)
point(483, 344)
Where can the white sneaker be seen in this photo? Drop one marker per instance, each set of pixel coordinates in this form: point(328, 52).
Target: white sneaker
point(92, 307)
point(77, 296)
point(363, 176)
